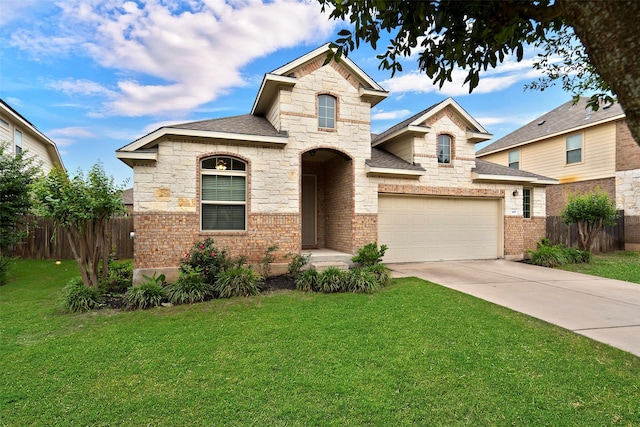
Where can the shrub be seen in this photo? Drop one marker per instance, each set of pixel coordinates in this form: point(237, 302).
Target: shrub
point(120, 277)
point(361, 281)
point(78, 298)
point(267, 260)
point(237, 281)
point(369, 254)
point(206, 258)
point(4, 269)
point(553, 256)
point(307, 281)
point(189, 288)
point(298, 262)
point(332, 280)
point(382, 274)
point(148, 294)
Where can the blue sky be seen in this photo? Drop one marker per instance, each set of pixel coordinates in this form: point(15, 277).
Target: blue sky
point(94, 75)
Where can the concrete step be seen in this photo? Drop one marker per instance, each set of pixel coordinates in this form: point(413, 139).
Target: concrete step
point(323, 265)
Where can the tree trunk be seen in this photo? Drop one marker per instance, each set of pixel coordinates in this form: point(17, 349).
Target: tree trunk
point(608, 31)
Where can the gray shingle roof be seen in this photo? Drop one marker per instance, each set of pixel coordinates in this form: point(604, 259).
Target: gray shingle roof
point(402, 124)
point(489, 168)
point(566, 117)
point(383, 159)
point(246, 125)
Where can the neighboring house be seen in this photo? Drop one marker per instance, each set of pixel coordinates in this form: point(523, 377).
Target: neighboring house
point(127, 200)
point(303, 171)
point(582, 149)
point(21, 135)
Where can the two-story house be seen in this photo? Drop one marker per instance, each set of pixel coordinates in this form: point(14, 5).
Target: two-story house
point(20, 135)
point(582, 149)
point(303, 171)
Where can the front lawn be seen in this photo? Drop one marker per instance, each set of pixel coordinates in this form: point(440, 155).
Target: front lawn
point(413, 353)
point(623, 265)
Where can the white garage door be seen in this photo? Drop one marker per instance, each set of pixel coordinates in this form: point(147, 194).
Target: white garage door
point(433, 229)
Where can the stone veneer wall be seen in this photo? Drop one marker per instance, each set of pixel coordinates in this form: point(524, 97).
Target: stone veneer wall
point(628, 198)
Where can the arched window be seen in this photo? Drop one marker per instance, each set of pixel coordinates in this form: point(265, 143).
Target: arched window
point(223, 193)
point(326, 112)
point(444, 149)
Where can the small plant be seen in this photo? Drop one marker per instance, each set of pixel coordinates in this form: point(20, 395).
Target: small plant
point(119, 278)
point(236, 282)
point(382, 274)
point(360, 280)
point(4, 269)
point(553, 256)
point(205, 257)
point(146, 295)
point(77, 297)
point(297, 263)
point(267, 260)
point(307, 281)
point(332, 280)
point(189, 288)
point(369, 254)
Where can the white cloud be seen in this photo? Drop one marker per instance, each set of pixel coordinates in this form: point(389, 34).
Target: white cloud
point(81, 87)
point(503, 76)
point(389, 115)
point(175, 56)
point(67, 136)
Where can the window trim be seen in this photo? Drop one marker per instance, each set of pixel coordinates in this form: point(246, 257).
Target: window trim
point(18, 147)
point(567, 150)
point(527, 202)
point(449, 154)
point(223, 172)
point(322, 108)
point(510, 162)
point(5, 124)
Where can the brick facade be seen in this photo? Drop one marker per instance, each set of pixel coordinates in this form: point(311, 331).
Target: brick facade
point(558, 195)
point(627, 150)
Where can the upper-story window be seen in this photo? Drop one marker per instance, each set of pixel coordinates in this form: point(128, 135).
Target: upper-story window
point(326, 112)
point(574, 148)
point(526, 202)
point(4, 123)
point(444, 149)
point(17, 141)
point(514, 159)
point(223, 193)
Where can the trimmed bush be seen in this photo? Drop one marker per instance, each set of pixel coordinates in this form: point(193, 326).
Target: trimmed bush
point(189, 288)
point(332, 280)
point(297, 263)
point(206, 258)
point(556, 255)
point(307, 281)
point(120, 277)
point(382, 274)
point(78, 298)
point(369, 254)
point(237, 282)
point(146, 295)
point(361, 281)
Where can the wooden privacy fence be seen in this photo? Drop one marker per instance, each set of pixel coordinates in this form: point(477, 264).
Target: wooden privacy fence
point(39, 245)
point(611, 237)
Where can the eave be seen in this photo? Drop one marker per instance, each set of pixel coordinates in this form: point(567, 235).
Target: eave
point(512, 179)
point(393, 173)
point(141, 155)
point(269, 88)
point(409, 130)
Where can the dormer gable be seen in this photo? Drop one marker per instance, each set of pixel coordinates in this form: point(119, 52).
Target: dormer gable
point(288, 75)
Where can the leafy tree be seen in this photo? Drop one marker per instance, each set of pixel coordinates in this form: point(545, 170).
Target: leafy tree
point(589, 212)
point(16, 174)
point(478, 34)
point(83, 206)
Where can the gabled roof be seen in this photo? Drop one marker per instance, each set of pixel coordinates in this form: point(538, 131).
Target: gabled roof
point(284, 76)
point(50, 146)
point(415, 124)
point(237, 128)
point(384, 163)
point(566, 118)
point(489, 171)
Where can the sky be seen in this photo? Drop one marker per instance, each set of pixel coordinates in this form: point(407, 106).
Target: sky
point(95, 75)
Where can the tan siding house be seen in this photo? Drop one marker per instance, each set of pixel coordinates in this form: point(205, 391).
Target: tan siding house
point(582, 149)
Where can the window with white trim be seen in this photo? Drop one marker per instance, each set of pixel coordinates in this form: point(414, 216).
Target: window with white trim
point(574, 148)
point(4, 123)
point(526, 202)
point(17, 141)
point(444, 149)
point(326, 112)
point(223, 194)
point(514, 159)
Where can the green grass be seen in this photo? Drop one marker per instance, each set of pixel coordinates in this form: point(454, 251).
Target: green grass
point(623, 265)
point(413, 353)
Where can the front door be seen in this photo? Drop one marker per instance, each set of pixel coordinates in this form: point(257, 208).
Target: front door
point(309, 211)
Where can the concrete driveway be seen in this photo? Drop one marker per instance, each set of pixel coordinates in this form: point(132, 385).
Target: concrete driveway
point(602, 309)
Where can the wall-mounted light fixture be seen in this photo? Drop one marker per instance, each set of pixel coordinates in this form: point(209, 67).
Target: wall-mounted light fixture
point(515, 193)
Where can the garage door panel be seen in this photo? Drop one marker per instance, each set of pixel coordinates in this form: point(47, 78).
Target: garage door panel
point(431, 229)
